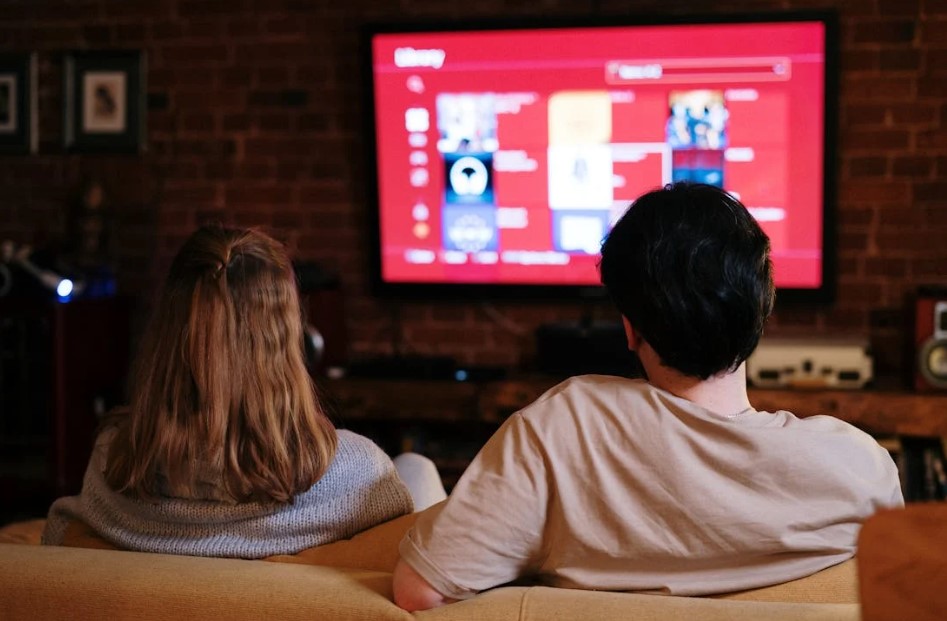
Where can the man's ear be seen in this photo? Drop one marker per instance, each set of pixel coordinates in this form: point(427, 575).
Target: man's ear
point(632, 335)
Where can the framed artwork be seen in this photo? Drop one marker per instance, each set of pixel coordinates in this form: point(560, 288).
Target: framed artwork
point(105, 101)
point(18, 103)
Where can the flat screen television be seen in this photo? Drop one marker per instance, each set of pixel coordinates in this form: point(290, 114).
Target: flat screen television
point(501, 152)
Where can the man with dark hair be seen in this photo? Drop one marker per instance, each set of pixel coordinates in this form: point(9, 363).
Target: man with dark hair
point(673, 484)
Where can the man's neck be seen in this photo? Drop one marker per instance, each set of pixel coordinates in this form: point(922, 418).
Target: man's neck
point(723, 394)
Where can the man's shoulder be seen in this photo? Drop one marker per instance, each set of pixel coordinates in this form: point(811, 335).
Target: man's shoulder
point(592, 384)
point(584, 393)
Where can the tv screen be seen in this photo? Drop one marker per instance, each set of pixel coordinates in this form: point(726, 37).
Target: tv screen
point(502, 153)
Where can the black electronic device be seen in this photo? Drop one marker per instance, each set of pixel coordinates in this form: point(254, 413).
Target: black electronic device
point(582, 347)
point(500, 152)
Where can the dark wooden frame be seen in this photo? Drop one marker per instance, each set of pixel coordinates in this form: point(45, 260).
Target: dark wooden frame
point(18, 133)
point(128, 134)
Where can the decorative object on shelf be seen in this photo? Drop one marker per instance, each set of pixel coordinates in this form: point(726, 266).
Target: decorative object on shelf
point(105, 101)
point(18, 103)
point(827, 362)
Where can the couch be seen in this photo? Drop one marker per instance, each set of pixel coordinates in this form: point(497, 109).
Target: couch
point(346, 580)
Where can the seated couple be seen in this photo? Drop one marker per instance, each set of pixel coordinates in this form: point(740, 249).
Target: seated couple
point(672, 484)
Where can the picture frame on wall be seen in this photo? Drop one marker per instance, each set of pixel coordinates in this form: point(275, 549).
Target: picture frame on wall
point(104, 101)
point(18, 116)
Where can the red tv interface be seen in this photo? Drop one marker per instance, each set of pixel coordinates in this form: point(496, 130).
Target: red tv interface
point(504, 156)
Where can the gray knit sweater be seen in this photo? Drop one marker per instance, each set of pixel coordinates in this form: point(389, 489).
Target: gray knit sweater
point(360, 489)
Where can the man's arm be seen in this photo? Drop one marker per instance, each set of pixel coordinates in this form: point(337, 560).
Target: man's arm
point(412, 592)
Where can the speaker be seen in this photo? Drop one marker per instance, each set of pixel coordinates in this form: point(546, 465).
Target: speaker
point(930, 339)
point(324, 313)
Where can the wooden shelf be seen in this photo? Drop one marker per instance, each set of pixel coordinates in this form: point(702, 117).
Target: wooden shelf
point(880, 412)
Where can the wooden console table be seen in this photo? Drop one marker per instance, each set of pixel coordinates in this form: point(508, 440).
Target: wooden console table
point(450, 421)
point(880, 412)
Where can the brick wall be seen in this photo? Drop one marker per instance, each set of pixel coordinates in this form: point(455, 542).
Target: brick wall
point(255, 118)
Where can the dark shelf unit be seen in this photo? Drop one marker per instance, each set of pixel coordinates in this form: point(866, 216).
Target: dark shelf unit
point(61, 366)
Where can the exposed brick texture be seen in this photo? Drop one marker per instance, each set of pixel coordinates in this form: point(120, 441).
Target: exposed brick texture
point(255, 119)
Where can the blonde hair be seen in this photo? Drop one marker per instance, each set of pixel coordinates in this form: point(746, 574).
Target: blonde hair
point(220, 380)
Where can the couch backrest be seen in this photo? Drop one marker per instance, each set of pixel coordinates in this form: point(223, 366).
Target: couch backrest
point(40, 582)
point(550, 604)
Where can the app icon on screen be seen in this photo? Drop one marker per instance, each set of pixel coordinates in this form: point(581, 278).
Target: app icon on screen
point(469, 178)
point(470, 228)
point(696, 131)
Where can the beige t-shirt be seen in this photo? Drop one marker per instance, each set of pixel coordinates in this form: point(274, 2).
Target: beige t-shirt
point(609, 483)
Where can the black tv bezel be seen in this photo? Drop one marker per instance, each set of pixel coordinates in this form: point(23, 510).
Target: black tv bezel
point(785, 296)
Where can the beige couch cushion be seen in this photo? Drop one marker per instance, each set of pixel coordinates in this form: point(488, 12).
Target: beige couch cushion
point(834, 585)
point(79, 584)
point(550, 604)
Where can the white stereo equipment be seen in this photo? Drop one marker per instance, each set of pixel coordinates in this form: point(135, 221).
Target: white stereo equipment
point(810, 363)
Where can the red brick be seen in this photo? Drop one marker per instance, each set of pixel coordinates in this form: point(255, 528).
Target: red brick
point(934, 139)
point(285, 25)
point(201, 8)
point(53, 36)
point(935, 87)
point(850, 240)
point(867, 167)
point(203, 29)
point(868, 88)
point(930, 269)
point(931, 190)
point(278, 52)
point(906, 216)
point(243, 195)
point(131, 34)
point(912, 166)
point(886, 267)
point(917, 243)
point(319, 193)
point(934, 32)
point(198, 122)
point(848, 319)
point(876, 139)
point(189, 194)
point(916, 113)
point(864, 114)
point(256, 168)
point(900, 60)
point(236, 122)
point(92, 34)
point(891, 30)
point(195, 53)
point(860, 293)
point(899, 7)
point(852, 217)
point(859, 60)
point(935, 61)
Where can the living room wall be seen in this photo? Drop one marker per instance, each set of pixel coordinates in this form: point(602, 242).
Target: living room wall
point(254, 118)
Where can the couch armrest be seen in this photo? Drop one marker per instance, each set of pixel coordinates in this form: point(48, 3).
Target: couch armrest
point(902, 563)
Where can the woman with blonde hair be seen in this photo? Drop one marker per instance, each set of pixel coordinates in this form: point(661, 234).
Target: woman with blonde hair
point(224, 449)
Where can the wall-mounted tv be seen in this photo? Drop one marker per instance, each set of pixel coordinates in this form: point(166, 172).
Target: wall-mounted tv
point(501, 153)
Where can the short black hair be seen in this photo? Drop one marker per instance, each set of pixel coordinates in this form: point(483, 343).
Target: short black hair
point(689, 267)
